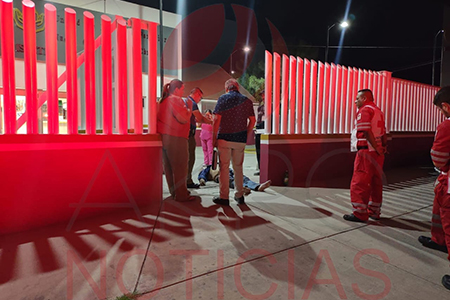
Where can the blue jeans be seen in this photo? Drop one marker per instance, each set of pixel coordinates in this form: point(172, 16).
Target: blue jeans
point(247, 182)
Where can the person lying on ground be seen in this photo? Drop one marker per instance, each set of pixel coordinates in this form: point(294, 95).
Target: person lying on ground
point(208, 174)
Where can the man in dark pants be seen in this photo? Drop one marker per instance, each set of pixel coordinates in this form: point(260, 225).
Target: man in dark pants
point(234, 119)
point(195, 97)
point(259, 125)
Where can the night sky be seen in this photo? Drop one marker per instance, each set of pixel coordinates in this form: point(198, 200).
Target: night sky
point(393, 35)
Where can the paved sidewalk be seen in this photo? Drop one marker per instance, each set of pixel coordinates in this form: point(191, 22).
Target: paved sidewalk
point(286, 243)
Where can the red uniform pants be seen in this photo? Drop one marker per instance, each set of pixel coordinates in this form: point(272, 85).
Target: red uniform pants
point(366, 189)
point(440, 221)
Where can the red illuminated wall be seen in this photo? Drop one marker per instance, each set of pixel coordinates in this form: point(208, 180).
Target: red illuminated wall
point(45, 178)
point(313, 160)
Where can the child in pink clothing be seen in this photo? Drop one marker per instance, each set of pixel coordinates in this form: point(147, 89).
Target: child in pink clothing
point(207, 140)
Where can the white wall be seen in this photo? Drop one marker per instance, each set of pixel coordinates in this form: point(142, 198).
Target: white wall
point(125, 9)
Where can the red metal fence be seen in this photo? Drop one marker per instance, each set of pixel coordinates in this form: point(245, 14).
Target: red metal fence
point(308, 97)
point(73, 62)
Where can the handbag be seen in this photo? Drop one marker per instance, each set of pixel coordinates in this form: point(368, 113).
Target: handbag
point(214, 160)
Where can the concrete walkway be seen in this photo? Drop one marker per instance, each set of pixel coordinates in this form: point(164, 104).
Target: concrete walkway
point(286, 243)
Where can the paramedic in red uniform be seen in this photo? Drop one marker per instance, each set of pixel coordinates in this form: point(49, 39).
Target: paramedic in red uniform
point(440, 155)
point(369, 140)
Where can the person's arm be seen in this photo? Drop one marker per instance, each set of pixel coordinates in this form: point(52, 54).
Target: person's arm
point(440, 152)
point(216, 125)
point(368, 135)
point(181, 112)
point(200, 118)
point(251, 123)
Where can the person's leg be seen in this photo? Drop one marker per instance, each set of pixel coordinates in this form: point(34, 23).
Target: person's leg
point(237, 158)
point(203, 175)
point(205, 152)
point(224, 165)
point(166, 164)
point(376, 192)
point(209, 143)
point(360, 186)
point(250, 184)
point(437, 231)
point(191, 159)
point(178, 157)
point(445, 218)
point(258, 147)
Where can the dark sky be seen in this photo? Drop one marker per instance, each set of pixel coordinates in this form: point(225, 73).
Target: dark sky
point(394, 35)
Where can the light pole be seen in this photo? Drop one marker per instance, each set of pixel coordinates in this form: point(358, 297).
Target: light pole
point(246, 49)
point(343, 25)
point(434, 55)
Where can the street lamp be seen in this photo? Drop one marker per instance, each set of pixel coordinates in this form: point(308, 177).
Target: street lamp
point(246, 49)
point(344, 24)
point(434, 56)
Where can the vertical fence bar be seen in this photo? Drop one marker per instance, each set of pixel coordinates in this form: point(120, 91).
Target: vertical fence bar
point(343, 100)
point(332, 114)
point(285, 95)
point(89, 63)
point(395, 112)
point(416, 107)
point(137, 76)
point(8, 66)
point(366, 80)
point(408, 107)
point(422, 99)
point(292, 94)
point(51, 64)
point(376, 84)
point(403, 99)
point(152, 76)
point(71, 69)
point(426, 109)
point(122, 76)
point(370, 80)
point(299, 110)
point(320, 99)
point(348, 116)
point(394, 103)
point(306, 96)
point(404, 113)
point(326, 108)
point(107, 75)
point(383, 90)
point(313, 89)
point(276, 93)
point(268, 92)
point(412, 109)
point(382, 94)
point(429, 106)
point(356, 76)
point(337, 119)
point(29, 41)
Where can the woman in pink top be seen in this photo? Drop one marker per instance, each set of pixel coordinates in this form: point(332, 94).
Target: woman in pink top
point(173, 125)
point(207, 140)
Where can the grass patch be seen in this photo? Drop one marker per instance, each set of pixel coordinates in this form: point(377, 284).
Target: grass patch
point(132, 296)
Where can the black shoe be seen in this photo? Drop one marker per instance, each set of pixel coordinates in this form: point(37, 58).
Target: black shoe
point(446, 281)
point(352, 218)
point(193, 186)
point(376, 218)
point(240, 200)
point(221, 201)
point(429, 243)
